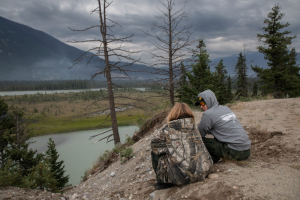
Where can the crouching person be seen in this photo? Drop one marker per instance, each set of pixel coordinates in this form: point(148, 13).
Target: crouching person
point(178, 154)
point(230, 139)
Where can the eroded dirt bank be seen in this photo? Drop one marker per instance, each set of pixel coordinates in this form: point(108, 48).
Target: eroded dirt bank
point(272, 171)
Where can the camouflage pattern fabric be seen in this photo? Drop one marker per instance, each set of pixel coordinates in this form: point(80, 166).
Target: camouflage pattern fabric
point(183, 156)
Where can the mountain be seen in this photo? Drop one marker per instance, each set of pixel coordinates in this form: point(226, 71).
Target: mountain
point(29, 54)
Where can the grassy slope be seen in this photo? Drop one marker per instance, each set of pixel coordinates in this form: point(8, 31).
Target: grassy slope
point(50, 125)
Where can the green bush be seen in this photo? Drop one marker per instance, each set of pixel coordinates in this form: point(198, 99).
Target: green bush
point(105, 156)
point(128, 140)
point(41, 177)
point(126, 154)
point(10, 176)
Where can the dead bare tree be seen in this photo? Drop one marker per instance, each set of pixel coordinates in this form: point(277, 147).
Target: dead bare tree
point(172, 42)
point(105, 49)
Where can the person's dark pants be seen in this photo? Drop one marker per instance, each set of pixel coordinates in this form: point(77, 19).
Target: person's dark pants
point(154, 159)
point(219, 150)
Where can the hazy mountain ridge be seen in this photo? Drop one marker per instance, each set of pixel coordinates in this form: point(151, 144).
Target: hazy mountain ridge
point(29, 54)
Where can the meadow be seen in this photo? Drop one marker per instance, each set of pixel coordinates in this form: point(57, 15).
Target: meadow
point(67, 112)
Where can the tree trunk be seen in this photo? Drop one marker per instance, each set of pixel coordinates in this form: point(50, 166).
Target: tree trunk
point(170, 60)
point(112, 108)
point(113, 115)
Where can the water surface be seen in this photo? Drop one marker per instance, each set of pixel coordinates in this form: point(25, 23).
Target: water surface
point(77, 150)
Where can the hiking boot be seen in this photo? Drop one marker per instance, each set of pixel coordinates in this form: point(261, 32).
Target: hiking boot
point(161, 186)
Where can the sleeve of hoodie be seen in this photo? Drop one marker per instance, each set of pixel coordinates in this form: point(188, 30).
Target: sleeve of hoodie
point(205, 125)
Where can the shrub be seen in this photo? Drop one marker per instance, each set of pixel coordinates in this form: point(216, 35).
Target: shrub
point(126, 154)
point(10, 176)
point(128, 140)
point(41, 177)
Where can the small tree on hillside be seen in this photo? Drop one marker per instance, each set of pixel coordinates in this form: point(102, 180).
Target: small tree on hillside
point(229, 90)
point(5, 136)
point(41, 177)
point(220, 88)
point(241, 75)
point(255, 89)
point(277, 78)
point(200, 77)
point(19, 150)
point(56, 166)
point(181, 92)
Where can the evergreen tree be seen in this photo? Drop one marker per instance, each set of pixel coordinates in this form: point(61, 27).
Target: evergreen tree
point(229, 90)
point(255, 90)
point(5, 125)
point(181, 92)
point(57, 167)
point(277, 78)
point(291, 74)
point(19, 150)
point(200, 78)
point(241, 75)
point(220, 89)
point(41, 177)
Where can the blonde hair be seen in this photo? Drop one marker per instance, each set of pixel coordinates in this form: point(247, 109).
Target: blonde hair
point(180, 110)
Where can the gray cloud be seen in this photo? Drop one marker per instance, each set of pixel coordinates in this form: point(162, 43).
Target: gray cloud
point(225, 25)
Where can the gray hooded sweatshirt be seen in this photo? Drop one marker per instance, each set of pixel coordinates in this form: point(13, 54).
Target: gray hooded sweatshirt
point(222, 123)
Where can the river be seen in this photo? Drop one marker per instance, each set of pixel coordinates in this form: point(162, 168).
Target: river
point(77, 151)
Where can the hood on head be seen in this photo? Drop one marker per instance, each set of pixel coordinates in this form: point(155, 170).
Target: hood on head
point(209, 98)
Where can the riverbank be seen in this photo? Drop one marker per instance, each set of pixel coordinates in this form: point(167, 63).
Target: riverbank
point(55, 125)
point(68, 112)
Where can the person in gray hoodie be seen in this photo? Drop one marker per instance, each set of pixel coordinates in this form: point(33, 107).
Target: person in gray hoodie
point(230, 139)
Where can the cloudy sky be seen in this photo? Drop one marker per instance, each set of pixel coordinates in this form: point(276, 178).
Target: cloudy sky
point(225, 25)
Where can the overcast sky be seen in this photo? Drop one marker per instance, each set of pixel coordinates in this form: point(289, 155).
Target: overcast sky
point(225, 25)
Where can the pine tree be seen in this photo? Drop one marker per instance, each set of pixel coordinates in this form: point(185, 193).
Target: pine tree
point(255, 90)
point(5, 137)
point(220, 89)
point(181, 93)
point(291, 74)
point(19, 151)
point(57, 167)
point(229, 89)
point(241, 75)
point(200, 78)
point(41, 177)
point(277, 78)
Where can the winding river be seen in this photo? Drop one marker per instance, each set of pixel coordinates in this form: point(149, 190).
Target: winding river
point(77, 151)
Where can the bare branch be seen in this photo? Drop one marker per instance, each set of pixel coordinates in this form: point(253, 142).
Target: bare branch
point(99, 134)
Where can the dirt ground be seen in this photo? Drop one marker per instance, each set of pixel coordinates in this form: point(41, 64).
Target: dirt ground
point(271, 172)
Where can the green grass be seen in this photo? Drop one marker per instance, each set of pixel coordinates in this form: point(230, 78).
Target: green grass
point(51, 125)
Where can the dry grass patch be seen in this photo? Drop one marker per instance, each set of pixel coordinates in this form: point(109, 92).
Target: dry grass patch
point(295, 166)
